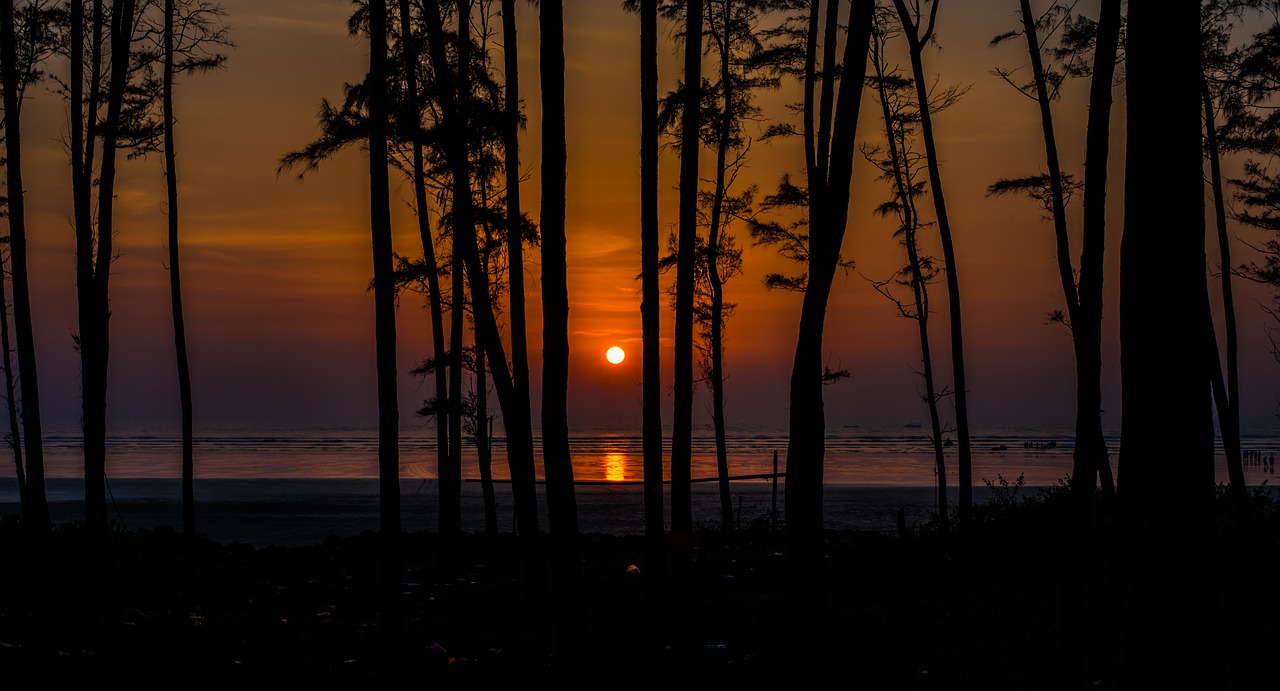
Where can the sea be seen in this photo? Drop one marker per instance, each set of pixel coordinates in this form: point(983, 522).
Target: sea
point(288, 486)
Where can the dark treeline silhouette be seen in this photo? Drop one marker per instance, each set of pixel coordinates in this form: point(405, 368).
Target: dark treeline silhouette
point(432, 107)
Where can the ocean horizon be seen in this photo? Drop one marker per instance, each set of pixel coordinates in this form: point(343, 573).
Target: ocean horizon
point(298, 486)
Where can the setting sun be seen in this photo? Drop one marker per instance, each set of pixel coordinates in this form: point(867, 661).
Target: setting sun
point(615, 355)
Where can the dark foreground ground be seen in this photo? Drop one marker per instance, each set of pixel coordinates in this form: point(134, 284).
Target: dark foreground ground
point(912, 612)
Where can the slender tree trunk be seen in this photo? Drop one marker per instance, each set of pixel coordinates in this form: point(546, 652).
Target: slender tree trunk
point(682, 430)
point(389, 549)
point(412, 50)
point(450, 475)
point(518, 424)
point(919, 289)
point(828, 218)
point(35, 507)
point(11, 398)
point(716, 285)
point(93, 267)
point(175, 287)
point(569, 615)
point(515, 220)
point(1090, 458)
point(964, 455)
point(650, 310)
point(1226, 395)
point(1167, 412)
point(484, 451)
point(484, 443)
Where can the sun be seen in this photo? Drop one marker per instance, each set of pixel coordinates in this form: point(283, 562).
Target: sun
point(615, 355)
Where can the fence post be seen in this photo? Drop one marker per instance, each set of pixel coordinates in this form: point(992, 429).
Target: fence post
point(773, 506)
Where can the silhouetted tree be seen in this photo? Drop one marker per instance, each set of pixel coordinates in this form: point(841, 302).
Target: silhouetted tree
point(389, 539)
point(1229, 89)
point(1053, 190)
point(416, 135)
point(682, 411)
point(743, 64)
point(453, 115)
point(10, 391)
point(900, 168)
point(1167, 479)
point(191, 35)
point(25, 42)
point(411, 120)
point(569, 615)
point(516, 233)
point(829, 130)
point(98, 115)
point(918, 29)
point(650, 314)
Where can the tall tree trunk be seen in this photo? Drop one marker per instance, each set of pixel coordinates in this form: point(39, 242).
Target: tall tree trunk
point(569, 614)
point(828, 218)
point(1226, 395)
point(450, 475)
point(518, 424)
point(11, 398)
point(515, 219)
point(389, 549)
point(682, 429)
point(919, 289)
point(484, 451)
point(650, 310)
point(93, 272)
point(35, 506)
point(1089, 458)
point(964, 456)
point(444, 412)
point(1167, 412)
point(713, 278)
point(175, 287)
point(484, 448)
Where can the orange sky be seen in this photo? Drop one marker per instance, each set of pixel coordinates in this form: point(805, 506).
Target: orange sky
point(281, 325)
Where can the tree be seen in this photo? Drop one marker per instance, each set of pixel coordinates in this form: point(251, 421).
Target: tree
point(650, 314)
point(25, 42)
point(918, 29)
point(519, 426)
point(743, 65)
point(10, 391)
point(389, 539)
point(569, 614)
point(416, 132)
point(411, 119)
point(900, 169)
point(682, 410)
point(1054, 190)
point(829, 130)
point(516, 225)
point(94, 230)
point(190, 30)
point(1166, 479)
point(1234, 87)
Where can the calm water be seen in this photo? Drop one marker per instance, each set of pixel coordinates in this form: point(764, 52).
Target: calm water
point(883, 456)
point(297, 487)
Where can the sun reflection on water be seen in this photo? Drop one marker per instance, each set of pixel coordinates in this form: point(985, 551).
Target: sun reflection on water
point(614, 469)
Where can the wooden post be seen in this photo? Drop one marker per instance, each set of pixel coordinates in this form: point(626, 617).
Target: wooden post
point(773, 506)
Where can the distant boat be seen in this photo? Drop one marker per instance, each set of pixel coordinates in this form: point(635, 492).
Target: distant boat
point(912, 425)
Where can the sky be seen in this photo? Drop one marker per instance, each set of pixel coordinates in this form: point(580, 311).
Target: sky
point(276, 271)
